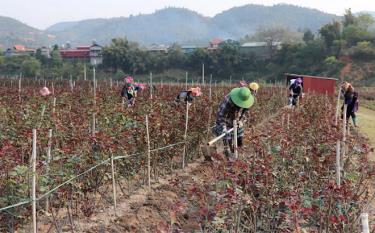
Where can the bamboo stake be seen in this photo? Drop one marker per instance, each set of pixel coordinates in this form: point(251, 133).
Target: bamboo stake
point(113, 184)
point(337, 107)
point(186, 80)
point(364, 221)
point(54, 105)
point(338, 164)
point(235, 143)
point(210, 91)
point(53, 89)
point(202, 73)
point(288, 120)
point(344, 124)
point(94, 81)
point(33, 191)
point(209, 122)
point(93, 125)
point(19, 88)
point(151, 85)
point(148, 154)
point(84, 72)
point(48, 162)
point(185, 135)
point(343, 150)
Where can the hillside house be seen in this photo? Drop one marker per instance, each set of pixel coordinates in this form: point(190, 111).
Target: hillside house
point(214, 44)
point(19, 50)
point(155, 48)
point(187, 49)
point(82, 53)
point(260, 49)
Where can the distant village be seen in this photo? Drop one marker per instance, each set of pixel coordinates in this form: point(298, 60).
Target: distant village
point(79, 53)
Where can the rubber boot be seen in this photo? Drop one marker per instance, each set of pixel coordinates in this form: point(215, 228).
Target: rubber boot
point(355, 121)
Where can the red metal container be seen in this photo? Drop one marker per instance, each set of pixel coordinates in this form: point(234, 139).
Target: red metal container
point(314, 84)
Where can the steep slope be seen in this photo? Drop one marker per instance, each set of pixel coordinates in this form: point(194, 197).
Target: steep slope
point(58, 27)
point(164, 26)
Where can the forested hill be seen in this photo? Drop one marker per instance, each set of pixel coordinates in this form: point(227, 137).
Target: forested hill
point(182, 25)
point(14, 32)
point(167, 26)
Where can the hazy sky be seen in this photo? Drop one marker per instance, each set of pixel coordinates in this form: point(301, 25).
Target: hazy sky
point(43, 13)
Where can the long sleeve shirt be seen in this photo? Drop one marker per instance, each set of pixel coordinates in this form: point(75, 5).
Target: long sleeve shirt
point(296, 89)
point(228, 112)
point(185, 96)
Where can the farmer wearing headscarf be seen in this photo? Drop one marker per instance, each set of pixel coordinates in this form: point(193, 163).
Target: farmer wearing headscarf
point(234, 107)
point(45, 92)
point(128, 91)
point(295, 92)
point(351, 100)
point(189, 95)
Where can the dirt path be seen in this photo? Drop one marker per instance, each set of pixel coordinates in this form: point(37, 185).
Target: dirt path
point(366, 121)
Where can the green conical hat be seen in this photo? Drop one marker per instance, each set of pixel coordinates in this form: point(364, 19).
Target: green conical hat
point(242, 97)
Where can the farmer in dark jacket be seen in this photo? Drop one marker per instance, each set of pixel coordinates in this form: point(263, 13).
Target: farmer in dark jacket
point(295, 92)
point(234, 107)
point(351, 100)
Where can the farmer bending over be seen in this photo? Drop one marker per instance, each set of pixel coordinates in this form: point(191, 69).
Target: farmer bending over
point(128, 91)
point(189, 95)
point(234, 107)
point(252, 86)
point(295, 92)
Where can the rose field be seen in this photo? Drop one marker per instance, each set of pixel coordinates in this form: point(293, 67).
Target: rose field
point(103, 167)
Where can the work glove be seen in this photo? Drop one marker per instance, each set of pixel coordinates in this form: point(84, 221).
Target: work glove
point(240, 124)
point(225, 130)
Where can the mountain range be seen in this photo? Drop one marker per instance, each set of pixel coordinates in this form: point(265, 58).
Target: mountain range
point(166, 26)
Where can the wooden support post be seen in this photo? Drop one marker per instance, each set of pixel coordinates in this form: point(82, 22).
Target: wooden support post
point(185, 135)
point(186, 80)
point(288, 121)
point(148, 154)
point(113, 184)
point(33, 186)
point(235, 142)
point(53, 89)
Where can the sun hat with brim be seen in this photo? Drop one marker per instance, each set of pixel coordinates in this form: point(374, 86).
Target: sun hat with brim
point(242, 97)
